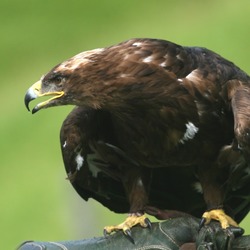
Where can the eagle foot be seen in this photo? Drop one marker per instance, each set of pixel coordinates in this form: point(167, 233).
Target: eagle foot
point(219, 215)
point(132, 220)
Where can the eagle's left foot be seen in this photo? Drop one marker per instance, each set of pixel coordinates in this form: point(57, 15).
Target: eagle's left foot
point(132, 220)
point(219, 215)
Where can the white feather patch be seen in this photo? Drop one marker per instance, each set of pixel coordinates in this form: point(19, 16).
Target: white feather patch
point(79, 161)
point(137, 44)
point(79, 59)
point(93, 165)
point(163, 64)
point(191, 131)
point(193, 75)
point(148, 59)
point(197, 187)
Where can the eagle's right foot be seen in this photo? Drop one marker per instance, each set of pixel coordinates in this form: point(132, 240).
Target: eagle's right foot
point(132, 220)
point(219, 215)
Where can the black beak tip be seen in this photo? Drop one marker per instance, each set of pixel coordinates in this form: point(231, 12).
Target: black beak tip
point(26, 102)
point(27, 107)
point(27, 99)
point(29, 96)
point(34, 110)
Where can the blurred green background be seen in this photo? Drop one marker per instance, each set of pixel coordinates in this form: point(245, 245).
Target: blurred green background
point(36, 201)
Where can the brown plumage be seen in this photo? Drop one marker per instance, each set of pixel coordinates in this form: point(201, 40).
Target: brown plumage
point(153, 121)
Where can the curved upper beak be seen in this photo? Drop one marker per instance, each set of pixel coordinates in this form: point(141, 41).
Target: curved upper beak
point(35, 91)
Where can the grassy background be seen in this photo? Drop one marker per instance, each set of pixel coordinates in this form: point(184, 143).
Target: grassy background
point(36, 202)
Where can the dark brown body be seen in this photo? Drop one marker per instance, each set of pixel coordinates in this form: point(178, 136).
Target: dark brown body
point(173, 187)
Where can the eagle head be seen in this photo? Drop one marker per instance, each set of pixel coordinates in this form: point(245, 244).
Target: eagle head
point(63, 82)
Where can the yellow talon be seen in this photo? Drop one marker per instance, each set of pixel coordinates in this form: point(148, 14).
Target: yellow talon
point(219, 215)
point(131, 221)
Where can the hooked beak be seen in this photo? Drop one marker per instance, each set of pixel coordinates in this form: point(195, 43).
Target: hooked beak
point(35, 91)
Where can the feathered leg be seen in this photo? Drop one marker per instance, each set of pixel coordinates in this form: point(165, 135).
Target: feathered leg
point(138, 198)
point(214, 181)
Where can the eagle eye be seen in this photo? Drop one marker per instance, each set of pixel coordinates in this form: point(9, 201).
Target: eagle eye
point(58, 79)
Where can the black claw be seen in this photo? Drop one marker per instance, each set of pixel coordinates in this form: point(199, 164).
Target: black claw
point(105, 233)
point(202, 223)
point(148, 223)
point(129, 235)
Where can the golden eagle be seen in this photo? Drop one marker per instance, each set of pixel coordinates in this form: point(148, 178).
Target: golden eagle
point(155, 124)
